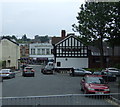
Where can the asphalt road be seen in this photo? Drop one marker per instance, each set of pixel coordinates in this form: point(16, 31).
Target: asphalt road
point(49, 85)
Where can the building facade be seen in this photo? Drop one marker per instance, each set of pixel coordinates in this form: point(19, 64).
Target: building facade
point(41, 52)
point(70, 52)
point(9, 52)
point(24, 50)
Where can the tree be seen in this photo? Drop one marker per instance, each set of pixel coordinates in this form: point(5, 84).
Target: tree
point(24, 37)
point(93, 23)
point(114, 27)
point(14, 37)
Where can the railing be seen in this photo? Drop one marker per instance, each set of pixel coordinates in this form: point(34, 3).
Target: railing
point(68, 99)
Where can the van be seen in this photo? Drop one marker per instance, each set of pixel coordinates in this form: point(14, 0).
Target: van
point(50, 65)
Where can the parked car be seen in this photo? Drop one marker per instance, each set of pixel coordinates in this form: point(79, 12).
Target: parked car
point(94, 84)
point(47, 70)
point(114, 71)
point(28, 71)
point(79, 72)
point(7, 73)
point(107, 76)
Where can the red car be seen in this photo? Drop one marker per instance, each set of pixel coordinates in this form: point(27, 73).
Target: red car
point(93, 84)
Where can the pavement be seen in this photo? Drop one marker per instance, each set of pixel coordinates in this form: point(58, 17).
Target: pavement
point(115, 90)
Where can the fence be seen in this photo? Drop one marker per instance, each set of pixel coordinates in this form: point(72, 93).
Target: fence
point(69, 99)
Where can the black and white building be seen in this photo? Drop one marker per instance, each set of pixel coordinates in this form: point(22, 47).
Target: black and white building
point(70, 52)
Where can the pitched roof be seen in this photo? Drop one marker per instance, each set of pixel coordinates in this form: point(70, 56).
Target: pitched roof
point(9, 40)
point(56, 39)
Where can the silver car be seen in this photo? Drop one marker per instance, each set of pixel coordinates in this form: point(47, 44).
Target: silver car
point(79, 72)
point(113, 71)
point(7, 73)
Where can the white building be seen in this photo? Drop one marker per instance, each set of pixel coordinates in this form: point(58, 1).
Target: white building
point(70, 52)
point(41, 52)
point(9, 52)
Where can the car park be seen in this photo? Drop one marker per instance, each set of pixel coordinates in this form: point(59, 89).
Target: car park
point(114, 71)
point(107, 76)
point(79, 72)
point(7, 73)
point(28, 71)
point(94, 84)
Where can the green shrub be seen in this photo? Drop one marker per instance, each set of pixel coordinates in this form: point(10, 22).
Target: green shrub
point(93, 69)
point(117, 66)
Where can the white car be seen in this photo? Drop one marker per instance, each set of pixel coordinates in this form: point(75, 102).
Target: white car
point(114, 71)
point(7, 73)
point(80, 72)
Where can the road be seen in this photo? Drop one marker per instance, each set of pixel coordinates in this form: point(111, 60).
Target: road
point(44, 85)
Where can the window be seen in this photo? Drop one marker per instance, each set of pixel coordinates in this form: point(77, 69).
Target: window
point(58, 64)
point(47, 51)
point(43, 51)
point(32, 51)
point(38, 51)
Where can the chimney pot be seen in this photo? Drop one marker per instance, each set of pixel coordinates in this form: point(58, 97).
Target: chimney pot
point(63, 33)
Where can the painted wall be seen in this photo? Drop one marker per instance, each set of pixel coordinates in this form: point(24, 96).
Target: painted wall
point(41, 46)
point(72, 62)
point(0, 51)
point(10, 51)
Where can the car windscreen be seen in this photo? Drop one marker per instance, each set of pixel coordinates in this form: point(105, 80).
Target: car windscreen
point(79, 70)
point(113, 69)
point(97, 73)
point(95, 80)
point(4, 71)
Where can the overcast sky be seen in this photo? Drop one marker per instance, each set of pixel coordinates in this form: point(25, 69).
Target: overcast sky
point(38, 17)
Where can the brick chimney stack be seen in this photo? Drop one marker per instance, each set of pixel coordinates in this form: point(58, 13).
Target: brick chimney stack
point(63, 33)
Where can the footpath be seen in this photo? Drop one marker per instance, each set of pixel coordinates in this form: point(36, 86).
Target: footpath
point(115, 90)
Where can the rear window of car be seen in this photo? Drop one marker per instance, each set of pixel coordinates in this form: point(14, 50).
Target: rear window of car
point(28, 68)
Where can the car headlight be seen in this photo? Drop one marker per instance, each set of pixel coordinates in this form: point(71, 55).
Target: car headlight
point(107, 89)
point(90, 88)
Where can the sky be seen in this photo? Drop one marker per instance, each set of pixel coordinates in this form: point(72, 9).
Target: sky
point(38, 17)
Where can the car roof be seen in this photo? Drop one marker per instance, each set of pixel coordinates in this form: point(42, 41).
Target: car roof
point(111, 68)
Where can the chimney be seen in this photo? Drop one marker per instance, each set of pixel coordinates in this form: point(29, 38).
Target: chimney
point(63, 33)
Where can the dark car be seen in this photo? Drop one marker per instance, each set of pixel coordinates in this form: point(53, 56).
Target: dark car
point(107, 76)
point(93, 84)
point(47, 70)
point(28, 71)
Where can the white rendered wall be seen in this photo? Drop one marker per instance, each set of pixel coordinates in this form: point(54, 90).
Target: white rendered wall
point(72, 62)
